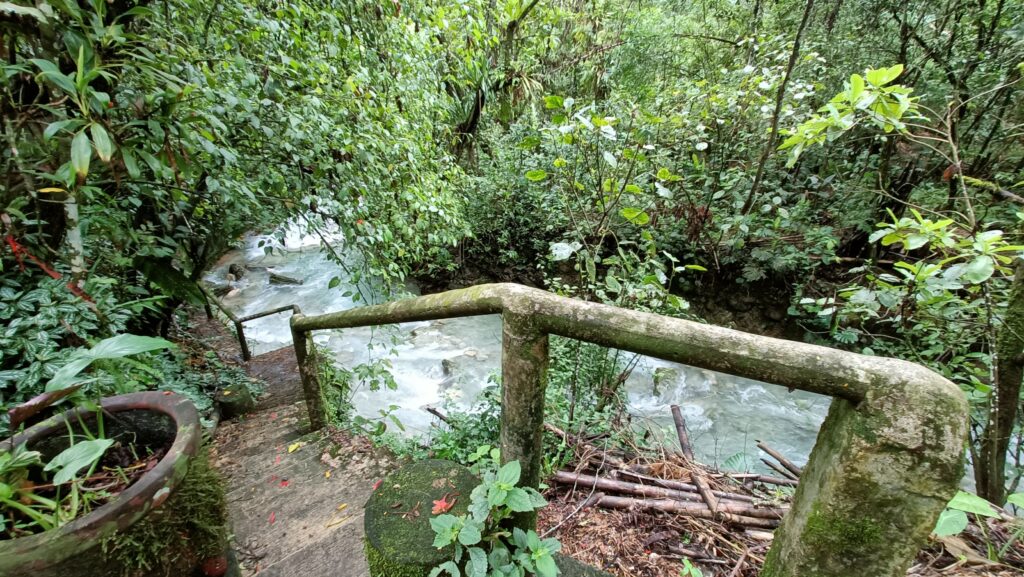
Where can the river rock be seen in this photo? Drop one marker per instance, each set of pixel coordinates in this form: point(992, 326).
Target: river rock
point(276, 278)
point(663, 375)
point(237, 270)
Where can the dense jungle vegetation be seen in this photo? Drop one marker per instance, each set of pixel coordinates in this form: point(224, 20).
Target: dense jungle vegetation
point(862, 159)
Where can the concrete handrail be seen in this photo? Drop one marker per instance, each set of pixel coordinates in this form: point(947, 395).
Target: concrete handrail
point(239, 321)
point(887, 459)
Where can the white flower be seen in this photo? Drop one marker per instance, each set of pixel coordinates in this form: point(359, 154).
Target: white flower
point(701, 146)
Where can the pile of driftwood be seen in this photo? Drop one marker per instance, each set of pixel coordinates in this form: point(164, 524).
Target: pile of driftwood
point(679, 484)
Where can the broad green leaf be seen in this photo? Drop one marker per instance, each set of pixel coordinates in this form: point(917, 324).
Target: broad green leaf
point(124, 345)
point(563, 250)
point(951, 522)
point(612, 283)
point(509, 473)
point(131, 164)
point(536, 175)
point(1016, 499)
point(635, 216)
point(112, 348)
point(856, 88)
point(54, 127)
point(545, 565)
point(979, 270)
point(529, 143)
point(883, 76)
point(553, 101)
point(77, 457)
point(477, 564)
point(101, 140)
point(519, 501)
point(451, 568)
point(51, 73)
point(470, 534)
point(967, 502)
point(81, 154)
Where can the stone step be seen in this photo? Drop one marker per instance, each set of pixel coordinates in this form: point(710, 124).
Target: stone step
point(290, 517)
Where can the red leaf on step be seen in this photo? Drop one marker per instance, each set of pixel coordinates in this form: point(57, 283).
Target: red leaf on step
point(284, 483)
point(273, 517)
point(443, 505)
point(377, 484)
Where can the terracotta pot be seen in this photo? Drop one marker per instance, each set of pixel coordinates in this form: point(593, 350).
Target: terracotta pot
point(153, 418)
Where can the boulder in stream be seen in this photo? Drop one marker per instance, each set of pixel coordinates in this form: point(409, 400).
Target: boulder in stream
point(276, 278)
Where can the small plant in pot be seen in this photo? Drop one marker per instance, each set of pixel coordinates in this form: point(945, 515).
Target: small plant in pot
point(74, 486)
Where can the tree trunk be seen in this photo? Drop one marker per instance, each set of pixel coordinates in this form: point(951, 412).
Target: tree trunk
point(990, 471)
point(769, 146)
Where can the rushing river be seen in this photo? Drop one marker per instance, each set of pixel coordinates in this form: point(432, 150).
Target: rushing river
point(448, 362)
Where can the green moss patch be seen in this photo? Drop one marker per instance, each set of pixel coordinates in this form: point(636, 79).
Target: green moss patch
point(189, 527)
point(399, 539)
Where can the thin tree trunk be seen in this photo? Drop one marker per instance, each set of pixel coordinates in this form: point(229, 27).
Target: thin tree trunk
point(990, 472)
point(769, 146)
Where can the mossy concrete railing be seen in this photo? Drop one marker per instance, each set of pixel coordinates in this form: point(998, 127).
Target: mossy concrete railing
point(887, 459)
point(238, 321)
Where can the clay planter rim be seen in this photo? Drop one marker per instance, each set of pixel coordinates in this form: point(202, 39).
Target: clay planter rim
point(148, 492)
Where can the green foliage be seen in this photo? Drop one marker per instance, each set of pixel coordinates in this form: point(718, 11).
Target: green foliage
point(868, 99)
point(583, 393)
point(689, 570)
point(953, 520)
point(482, 546)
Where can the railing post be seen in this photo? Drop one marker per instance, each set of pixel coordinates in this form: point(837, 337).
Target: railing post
point(302, 343)
point(524, 368)
point(241, 341)
point(879, 474)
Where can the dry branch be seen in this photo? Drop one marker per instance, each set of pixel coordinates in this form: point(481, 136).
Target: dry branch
point(690, 509)
point(778, 457)
point(779, 469)
point(680, 486)
point(568, 478)
point(684, 437)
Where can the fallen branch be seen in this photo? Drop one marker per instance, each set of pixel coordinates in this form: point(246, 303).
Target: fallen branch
point(608, 459)
point(689, 509)
point(686, 487)
point(569, 478)
point(779, 469)
point(777, 481)
point(684, 436)
point(696, 474)
point(439, 415)
point(778, 457)
point(739, 564)
point(705, 492)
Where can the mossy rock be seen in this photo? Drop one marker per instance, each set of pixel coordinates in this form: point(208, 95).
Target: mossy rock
point(399, 539)
point(573, 568)
point(234, 401)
